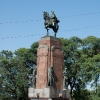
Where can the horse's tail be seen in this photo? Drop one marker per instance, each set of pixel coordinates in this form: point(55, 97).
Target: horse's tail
point(56, 27)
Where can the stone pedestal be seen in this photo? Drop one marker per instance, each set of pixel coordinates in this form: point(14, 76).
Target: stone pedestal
point(47, 93)
point(49, 53)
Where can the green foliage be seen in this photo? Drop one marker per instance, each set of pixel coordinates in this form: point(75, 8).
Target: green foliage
point(13, 73)
point(72, 61)
point(95, 95)
point(82, 60)
point(14, 70)
point(82, 95)
point(91, 58)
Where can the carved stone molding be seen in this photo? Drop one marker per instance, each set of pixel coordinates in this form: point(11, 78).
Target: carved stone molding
point(56, 47)
point(42, 46)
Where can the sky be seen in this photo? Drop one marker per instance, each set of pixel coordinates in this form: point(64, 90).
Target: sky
point(22, 23)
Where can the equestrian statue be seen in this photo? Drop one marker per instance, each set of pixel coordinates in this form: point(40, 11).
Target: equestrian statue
point(51, 22)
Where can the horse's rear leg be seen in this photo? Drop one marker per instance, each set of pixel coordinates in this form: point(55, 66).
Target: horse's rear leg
point(55, 35)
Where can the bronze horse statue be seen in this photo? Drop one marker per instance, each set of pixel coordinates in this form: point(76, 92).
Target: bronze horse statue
point(51, 22)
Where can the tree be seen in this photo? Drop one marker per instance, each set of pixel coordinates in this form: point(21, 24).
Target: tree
point(14, 70)
point(91, 58)
point(13, 75)
point(72, 61)
point(82, 61)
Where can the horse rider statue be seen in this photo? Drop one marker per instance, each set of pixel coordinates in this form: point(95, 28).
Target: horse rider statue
point(51, 22)
point(54, 18)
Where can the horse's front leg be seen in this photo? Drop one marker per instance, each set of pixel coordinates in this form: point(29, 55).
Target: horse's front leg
point(47, 31)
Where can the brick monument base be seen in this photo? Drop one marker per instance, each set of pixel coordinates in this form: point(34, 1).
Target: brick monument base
point(49, 54)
